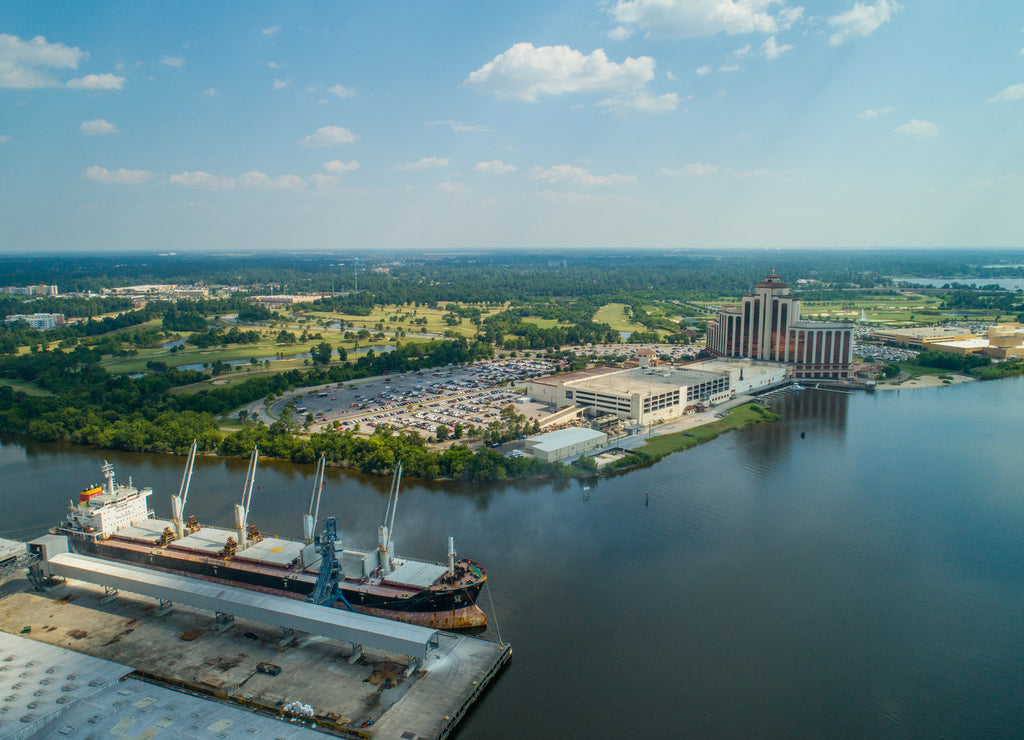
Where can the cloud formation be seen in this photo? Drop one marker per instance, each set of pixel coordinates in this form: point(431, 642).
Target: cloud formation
point(772, 50)
point(525, 71)
point(270, 31)
point(875, 113)
point(1008, 94)
point(342, 92)
point(462, 128)
point(495, 167)
point(578, 176)
point(919, 129)
point(97, 127)
point(200, 179)
point(643, 101)
point(427, 163)
point(329, 136)
point(97, 82)
point(254, 180)
point(172, 61)
point(27, 64)
point(861, 20)
point(118, 177)
point(695, 18)
point(337, 167)
point(280, 84)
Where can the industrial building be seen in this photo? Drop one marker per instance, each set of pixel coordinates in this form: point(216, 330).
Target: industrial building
point(746, 375)
point(644, 395)
point(767, 326)
point(565, 443)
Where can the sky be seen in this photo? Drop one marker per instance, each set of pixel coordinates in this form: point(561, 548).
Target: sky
point(249, 126)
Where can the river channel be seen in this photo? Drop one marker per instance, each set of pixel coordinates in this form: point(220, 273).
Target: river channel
point(854, 570)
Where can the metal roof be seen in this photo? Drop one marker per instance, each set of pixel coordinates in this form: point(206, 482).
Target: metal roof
point(272, 550)
point(147, 530)
point(336, 624)
point(11, 549)
point(61, 693)
point(563, 437)
point(415, 573)
point(207, 540)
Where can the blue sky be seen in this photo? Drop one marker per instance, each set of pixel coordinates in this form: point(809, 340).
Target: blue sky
point(608, 124)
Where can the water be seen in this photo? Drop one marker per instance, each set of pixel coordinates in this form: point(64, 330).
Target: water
point(865, 579)
point(1011, 284)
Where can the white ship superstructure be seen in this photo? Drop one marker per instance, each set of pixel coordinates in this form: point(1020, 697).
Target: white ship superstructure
point(103, 510)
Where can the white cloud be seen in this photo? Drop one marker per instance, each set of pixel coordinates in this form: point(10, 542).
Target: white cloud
point(270, 31)
point(97, 127)
point(280, 84)
point(861, 20)
point(451, 187)
point(337, 167)
point(211, 92)
point(524, 71)
point(567, 198)
point(118, 177)
point(578, 176)
point(342, 91)
point(322, 181)
point(173, 61)
point(462, 128)
point(695, 18)
point(620, 33)
point(255, 180)
point(26, 64)
point(1008, 94)
point(329, 136)
point(5, 139)
point(643, 101)
point(495, 166)
point(427, 163)
point(742, 51)
point(670, 75)
point(706, 69)
point(920, 129)
point(729, 68)
point(770, 49)
point(273, 65)
point(97, 82)
point(200, 179)
point(694, 169)
point(875, 113)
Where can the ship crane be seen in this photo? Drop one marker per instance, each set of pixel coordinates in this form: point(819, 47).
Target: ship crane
point(385, 531)
point(242, 509)
point(309, 519)
point(326, 590)
point(178, 502)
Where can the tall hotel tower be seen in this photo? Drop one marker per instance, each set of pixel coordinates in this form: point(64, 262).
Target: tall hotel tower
point(767, 326)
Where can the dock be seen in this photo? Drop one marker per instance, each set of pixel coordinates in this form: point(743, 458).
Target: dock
point(315, 683)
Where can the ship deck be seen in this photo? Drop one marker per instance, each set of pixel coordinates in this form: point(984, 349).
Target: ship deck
point(182, 651)
point(208, 540)
point(148, 531)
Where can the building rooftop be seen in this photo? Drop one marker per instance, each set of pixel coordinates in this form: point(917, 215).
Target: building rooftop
point(646, 380)
point(561, 438)
point(573, 376)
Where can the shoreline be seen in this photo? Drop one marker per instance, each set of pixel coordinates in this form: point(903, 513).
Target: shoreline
point(927, 381)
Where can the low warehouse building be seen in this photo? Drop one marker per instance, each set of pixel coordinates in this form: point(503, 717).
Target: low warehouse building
point(565, 443)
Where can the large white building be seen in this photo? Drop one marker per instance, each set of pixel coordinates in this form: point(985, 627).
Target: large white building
point(565, 443)
point(41, 321)
point(767, 326)
point(645, 395)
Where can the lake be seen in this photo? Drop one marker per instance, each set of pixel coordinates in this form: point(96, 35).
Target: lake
point(856, 569)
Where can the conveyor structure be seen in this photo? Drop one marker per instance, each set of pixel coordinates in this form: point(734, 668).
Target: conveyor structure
point(228, 601)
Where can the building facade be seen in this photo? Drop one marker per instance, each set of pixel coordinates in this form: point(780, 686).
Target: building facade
point(41, 321)
point(767, 326)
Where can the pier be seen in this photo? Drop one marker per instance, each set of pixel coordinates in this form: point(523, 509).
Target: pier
point(334, 672)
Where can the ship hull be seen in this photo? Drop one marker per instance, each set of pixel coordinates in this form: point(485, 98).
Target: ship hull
point(450, 608)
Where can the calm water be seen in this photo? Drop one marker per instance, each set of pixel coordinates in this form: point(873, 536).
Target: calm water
point(864, 580)
point(1013, 284)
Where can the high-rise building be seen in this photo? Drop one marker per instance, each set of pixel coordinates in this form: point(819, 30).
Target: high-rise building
point(767, 326)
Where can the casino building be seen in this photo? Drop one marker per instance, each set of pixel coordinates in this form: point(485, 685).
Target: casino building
point(767, 326)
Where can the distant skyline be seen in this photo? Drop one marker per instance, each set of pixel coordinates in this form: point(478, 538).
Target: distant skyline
point(604, 124)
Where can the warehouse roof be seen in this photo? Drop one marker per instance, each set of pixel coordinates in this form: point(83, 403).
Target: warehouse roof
point(563, 437)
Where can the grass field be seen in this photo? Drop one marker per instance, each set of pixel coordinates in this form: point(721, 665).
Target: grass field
point(26, 388)
point(613, 315)
point(737, 418)
point(539, 322)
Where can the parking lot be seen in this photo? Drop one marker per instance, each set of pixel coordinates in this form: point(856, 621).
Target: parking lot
point(419, 401)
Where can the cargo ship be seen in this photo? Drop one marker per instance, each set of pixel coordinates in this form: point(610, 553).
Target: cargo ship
point(114, 521)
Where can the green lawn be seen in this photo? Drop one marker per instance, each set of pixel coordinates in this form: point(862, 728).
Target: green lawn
point(26, 388)
point(739, 417)
point(613, 315)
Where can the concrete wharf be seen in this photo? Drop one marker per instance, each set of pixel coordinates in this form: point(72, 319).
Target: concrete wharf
point(181, 649)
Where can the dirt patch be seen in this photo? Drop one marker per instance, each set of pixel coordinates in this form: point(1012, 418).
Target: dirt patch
point(386, 674)
point(77, 634)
